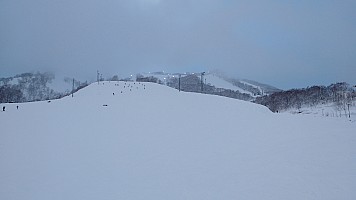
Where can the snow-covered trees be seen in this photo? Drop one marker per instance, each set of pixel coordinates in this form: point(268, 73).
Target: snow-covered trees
point(27, 87)
point(114, 78)
point(10, 93)
point(340, 94)
point(152, 79)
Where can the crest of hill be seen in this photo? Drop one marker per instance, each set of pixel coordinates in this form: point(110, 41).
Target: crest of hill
point(130, 93)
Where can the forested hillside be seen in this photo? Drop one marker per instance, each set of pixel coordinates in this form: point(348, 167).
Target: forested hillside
point(31, 87)
point(341, 94)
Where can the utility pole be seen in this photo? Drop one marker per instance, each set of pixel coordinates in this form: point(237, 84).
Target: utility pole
point(202, 80)
point(97, 76)
point(73, 88)
point(179, 81)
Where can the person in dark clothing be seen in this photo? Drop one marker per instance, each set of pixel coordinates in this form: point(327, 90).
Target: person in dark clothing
point(3, 108)
point(17, 107)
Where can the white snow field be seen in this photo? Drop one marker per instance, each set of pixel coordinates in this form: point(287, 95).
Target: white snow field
point(158, 143)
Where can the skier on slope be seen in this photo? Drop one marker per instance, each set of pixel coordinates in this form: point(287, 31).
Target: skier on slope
point(3, 108)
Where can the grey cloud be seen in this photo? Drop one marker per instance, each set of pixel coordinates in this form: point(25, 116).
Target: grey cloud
point(286, 44)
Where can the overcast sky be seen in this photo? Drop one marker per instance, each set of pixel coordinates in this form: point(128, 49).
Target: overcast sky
point(287, 44)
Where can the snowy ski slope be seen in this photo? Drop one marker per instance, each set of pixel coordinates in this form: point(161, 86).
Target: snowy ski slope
point(154, 142)
point(219, 82)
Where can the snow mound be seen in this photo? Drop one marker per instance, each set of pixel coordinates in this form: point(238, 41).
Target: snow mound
point(129, 140)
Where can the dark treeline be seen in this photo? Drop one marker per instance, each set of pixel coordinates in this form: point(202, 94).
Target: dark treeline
point(11, 93)
point(152, 79)
point(340, 94)
point(28, 87)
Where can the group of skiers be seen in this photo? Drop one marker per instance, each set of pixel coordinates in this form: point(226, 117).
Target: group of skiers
point(130, 86)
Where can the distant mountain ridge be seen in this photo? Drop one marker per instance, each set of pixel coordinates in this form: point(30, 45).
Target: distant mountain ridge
point(213, 83)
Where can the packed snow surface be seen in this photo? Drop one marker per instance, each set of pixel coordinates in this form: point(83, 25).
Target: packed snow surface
point(154, 142)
